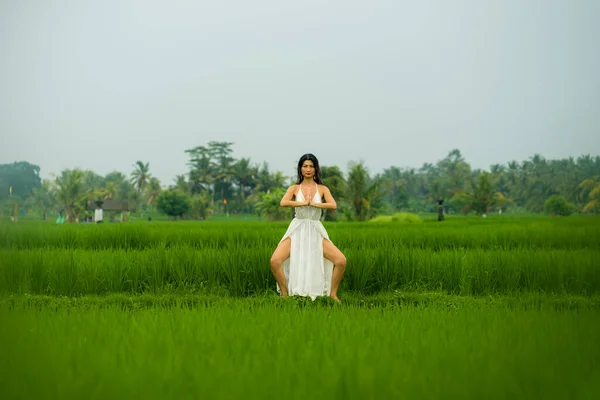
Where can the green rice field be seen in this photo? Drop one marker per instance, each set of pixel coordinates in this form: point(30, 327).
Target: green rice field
point(470, 308)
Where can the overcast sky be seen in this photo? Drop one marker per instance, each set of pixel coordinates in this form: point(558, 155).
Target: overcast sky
point(99, 85)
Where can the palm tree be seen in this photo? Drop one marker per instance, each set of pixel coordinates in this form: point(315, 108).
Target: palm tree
point(269, 207)
point(140, 176)
point(333, 178)
point(393, 185)
point(243, 177)
point(591, 191)
point(154, 190)
point(277, 180)
point(122, 185)
point(181, 184)
point(225, 171)
point(92, 180)
point(358, 186)
point(201, 176)
point(111, 190)
point(483, 198)
point(69, 192)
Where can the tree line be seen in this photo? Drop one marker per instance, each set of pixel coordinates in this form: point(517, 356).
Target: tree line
point(217, 183)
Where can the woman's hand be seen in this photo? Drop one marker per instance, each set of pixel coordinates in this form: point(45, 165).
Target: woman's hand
point(286, 200)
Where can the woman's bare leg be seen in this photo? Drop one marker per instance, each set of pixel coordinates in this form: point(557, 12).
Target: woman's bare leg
point(281, 253)
point(338, 259)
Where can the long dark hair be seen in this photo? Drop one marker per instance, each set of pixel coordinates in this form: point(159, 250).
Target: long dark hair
point(309, 157)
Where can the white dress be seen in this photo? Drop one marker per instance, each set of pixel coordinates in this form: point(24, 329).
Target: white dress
point(307, 271)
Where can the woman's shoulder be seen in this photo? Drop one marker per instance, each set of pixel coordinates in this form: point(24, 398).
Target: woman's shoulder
point(322, 187)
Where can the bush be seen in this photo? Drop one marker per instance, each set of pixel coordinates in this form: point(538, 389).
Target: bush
point(402, 217)
point(558, 205)
point(173, 203)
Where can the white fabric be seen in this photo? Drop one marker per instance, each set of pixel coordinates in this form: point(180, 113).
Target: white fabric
point(307, 271)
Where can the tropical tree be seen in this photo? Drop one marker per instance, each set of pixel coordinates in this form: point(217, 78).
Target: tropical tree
point(483, 198)
point(111, 190)
point(223, 167)
point(92, 180)
point(154, 190)
point(41, 199)
point(216, 175)
point(364, 193)
point(201, 206)
point(12, 205)
point(333, 178)
point(243, 177)
point(19, 179)
point(267, 180)
point(173, 203)
point(118, 185)
point(590, 190)
point(201, 175)
point(181, 184)
point(269, 206)
point(558, 205)
point(140, 176)
point(394, 189)
point(69, 193)
point(454, 171)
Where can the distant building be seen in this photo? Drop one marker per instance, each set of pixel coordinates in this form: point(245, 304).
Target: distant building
point(99, 206)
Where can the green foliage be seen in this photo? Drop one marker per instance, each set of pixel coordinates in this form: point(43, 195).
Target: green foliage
point(70, 193)
point(173, 203)
point(462, 201)
point(41, 199)
point(590, 192)
point(118, 185)
point(140, 176)
point(269, 206)
point(364, 193)
point(558, 205)
point(333, 178)
point(22, 176)
point(482, 199)
point(402, 217)
point(215, 174)
point(11, 208)
point(454, 172)
point(201, 206)
point(394, 190)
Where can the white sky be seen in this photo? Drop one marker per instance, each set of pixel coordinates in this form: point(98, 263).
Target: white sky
point(100, 85)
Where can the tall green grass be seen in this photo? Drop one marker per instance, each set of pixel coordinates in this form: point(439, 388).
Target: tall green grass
point(278, 348)
point(496, 233)
point(463, 256)
point(245, 271)
point(501, 308)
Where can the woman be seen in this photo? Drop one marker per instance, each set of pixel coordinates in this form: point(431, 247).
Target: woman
point(303, 262)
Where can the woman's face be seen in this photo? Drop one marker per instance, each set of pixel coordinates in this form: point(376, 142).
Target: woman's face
point(308, 169)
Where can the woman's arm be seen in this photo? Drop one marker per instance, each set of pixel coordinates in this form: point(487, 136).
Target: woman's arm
point(330, 203)
point(286, 200)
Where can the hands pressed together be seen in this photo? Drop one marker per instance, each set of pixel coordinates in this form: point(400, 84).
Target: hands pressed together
point(308, 202)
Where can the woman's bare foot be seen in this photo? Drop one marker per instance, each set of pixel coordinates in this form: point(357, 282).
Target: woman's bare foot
point(335, 298)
